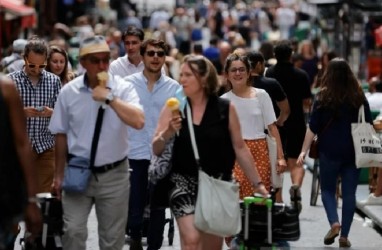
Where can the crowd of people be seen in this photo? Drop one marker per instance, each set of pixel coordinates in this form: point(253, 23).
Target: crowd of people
point(239, 88)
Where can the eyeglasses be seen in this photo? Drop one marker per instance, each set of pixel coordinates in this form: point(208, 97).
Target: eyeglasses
point(96, 60)
point(241, 70)
point(151, 53)
point(33, 65)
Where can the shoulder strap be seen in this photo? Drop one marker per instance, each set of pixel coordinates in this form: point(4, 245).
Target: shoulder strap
point(192, 135)
point(96, 134)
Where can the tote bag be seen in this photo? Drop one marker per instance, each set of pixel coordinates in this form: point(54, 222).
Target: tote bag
point(160, 165)
point(367, 143)
point(276, 179)
point(217, 209)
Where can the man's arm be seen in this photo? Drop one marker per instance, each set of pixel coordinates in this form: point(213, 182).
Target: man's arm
point(128, 113)
point(284, 112)
point(61, 151)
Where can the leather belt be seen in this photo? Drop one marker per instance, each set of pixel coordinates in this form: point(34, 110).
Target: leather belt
point(107, 167)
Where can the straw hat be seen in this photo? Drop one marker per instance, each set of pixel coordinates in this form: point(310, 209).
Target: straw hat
point(94, 44)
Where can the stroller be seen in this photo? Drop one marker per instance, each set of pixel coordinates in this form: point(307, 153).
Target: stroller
point(50, 237)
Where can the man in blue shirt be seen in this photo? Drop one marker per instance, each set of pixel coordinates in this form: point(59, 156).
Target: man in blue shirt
point(153, 88)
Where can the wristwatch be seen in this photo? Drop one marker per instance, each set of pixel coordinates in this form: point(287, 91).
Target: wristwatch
point(109, 98)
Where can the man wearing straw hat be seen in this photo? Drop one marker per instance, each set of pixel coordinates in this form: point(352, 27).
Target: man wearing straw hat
point(73, 123)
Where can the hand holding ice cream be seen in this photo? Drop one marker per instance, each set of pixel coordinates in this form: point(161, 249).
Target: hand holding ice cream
point(173, 104)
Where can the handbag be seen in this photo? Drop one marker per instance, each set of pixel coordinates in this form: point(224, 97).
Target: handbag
point(217, 209)
point(77, 174)
point(78, 169)
point(160, 165)
point(276, 178)
point(313, 149)
point(367, 144)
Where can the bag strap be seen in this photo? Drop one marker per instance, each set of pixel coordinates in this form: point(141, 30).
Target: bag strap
point(361, 115)
point(96, 135)
point(192, 135)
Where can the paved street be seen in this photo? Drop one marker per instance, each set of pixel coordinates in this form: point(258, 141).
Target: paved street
point(313, 225)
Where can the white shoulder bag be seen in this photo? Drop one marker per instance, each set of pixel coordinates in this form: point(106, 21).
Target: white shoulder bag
point(217, 209)
point(367, 143)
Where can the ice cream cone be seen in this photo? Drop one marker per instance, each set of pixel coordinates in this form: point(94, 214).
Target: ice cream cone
point(173, 104)
point(102, 77)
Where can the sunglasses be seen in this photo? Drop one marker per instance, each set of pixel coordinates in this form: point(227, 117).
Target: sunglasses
point(33, 65)
point(96, 60)
point(152, 53)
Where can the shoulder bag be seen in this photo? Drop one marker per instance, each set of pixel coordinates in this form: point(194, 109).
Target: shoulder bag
point(313, 150)
point(367, 143)
point(78, 169)
point(160, 165)
point(217, 209)
point(276, 179)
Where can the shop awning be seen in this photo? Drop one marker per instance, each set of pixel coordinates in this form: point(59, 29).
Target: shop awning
point(14, 9)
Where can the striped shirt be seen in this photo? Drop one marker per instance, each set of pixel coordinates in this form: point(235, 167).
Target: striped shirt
point(43, 94)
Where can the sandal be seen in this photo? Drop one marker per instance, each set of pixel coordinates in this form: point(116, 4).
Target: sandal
point(332, 234)
point(344, 242)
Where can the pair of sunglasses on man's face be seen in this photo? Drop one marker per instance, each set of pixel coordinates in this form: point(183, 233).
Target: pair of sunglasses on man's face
point(33, 65)
point(152, 53)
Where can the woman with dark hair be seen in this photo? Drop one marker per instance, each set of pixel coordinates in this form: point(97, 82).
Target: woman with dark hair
point(324, 61)
point(335, 108)
point(58, 61)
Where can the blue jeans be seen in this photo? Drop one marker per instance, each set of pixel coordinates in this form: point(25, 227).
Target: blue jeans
point(330, 170)
point(138, 197)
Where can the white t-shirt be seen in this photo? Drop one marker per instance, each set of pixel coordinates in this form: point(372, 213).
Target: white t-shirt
point(253, 113)
point(375, 101)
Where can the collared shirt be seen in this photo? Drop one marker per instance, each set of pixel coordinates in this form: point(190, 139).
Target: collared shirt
point(43, 94)
point(152, 102)
point(123, 67)
point(75, 115)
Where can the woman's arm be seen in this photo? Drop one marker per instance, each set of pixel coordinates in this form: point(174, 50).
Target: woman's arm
point(243, 155)
point(309, 135)
point(168, 125)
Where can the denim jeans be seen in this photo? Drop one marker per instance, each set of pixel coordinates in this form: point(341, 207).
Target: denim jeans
point(138, 197)
point(330, 170)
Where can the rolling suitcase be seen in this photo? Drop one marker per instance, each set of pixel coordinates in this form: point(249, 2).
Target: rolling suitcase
point(257, 223)
point(50, 237)
point(266, 224)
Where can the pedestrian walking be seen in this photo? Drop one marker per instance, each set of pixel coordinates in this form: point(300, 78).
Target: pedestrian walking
point(58, 64)
point(254, 110)
point(153, 89)
point(218, 135)
point(39, 89)
point(18, 185)
point(295, 83)
point(335, 108)
point(15, 61)
point(73, 124)
point(132, 61)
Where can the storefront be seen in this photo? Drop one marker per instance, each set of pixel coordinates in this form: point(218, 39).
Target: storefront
point(15, 18)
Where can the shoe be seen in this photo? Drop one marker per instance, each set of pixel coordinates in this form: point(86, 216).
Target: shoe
point(332, 234)
point(136, 244)
point(372, 200)
point(344, 242)
point(295, 196)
